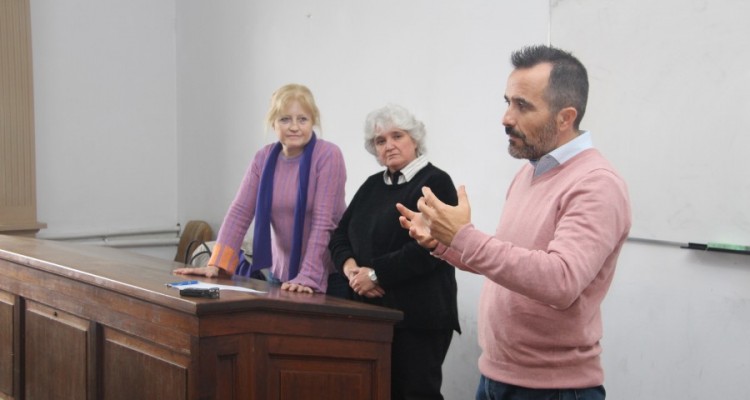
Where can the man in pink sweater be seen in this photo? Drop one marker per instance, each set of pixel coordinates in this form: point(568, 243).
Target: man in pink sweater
point(552, 258)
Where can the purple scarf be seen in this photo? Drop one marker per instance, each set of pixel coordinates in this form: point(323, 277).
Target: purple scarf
point(262, 257)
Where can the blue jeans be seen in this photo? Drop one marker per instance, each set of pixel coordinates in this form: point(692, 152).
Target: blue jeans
point(494, 390)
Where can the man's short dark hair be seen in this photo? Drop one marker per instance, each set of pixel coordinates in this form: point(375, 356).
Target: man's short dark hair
point(568, 84)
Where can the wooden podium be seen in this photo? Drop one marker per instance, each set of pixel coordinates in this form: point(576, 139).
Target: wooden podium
point(86, 322)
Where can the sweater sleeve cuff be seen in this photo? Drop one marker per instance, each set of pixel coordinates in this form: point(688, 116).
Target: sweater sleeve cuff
point(441, 249)
point(452, 253)
point(459, 239)
point(224, 257)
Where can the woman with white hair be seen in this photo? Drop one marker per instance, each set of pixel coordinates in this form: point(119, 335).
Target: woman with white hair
point(387, 267)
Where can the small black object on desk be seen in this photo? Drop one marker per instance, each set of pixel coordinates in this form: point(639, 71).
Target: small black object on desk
point(210, 293)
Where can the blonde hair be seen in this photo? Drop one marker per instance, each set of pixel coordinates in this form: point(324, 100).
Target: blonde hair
point(285, 95)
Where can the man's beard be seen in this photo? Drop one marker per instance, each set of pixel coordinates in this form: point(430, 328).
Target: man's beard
point(531, 151)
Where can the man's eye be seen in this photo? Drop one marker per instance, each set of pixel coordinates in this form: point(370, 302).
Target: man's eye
point(524, 105)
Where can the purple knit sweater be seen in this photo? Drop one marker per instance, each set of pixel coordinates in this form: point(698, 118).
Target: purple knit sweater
point(325, 205)
point(548, 268)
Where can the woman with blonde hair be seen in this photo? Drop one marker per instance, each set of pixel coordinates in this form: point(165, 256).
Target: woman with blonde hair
point(294, 190)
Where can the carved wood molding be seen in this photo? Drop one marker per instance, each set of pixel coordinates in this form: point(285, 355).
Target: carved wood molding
point(17, 151)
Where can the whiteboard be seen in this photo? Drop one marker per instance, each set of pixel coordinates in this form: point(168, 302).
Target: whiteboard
point(669, 105)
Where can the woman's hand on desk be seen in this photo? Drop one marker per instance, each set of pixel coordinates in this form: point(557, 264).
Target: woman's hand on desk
point(208, 271)
point(295, 287)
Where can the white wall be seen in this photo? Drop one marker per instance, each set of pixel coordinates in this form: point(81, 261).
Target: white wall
point(656, 70)
point(675, 325)
point(105, 112)
point(148, 112)
point(446, 62)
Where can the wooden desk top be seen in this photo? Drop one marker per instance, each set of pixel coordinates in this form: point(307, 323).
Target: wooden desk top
point(145, 277)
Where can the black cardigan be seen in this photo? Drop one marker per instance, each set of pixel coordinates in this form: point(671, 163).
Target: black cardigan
point(415, 282)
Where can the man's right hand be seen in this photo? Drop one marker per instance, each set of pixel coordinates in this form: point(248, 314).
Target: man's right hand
point(417, 227)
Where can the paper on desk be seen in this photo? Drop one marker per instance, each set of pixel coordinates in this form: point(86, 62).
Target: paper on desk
point(203, 285)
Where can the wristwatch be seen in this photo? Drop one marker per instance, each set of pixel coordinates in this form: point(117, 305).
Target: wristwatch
point(372, 275)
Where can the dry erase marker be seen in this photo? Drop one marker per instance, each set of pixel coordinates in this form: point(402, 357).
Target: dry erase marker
point(183, 283)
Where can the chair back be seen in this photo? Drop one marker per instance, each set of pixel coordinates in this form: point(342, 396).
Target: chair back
point(195, 233)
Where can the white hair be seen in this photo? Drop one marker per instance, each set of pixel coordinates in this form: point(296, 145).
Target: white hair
point(394, 116)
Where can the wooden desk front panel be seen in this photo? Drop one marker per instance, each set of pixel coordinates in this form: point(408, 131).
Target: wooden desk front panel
point(136, 369)
point(68, 357)
point(288, 367)
point(106, 327)
point(77, 341)
point(299, 368)
point(7, 342)
point(278, 355)
point(55, 354)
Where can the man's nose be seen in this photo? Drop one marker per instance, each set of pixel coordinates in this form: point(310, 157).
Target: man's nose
point(508, 119)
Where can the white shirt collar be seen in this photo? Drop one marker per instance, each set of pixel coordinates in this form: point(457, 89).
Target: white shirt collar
point(408, 172)
point(564, 153)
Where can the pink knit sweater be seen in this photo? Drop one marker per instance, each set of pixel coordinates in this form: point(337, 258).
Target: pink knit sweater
point(325, 205)
point(549, 266)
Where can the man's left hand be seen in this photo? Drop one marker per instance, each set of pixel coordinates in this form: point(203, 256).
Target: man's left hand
point(443, 220)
